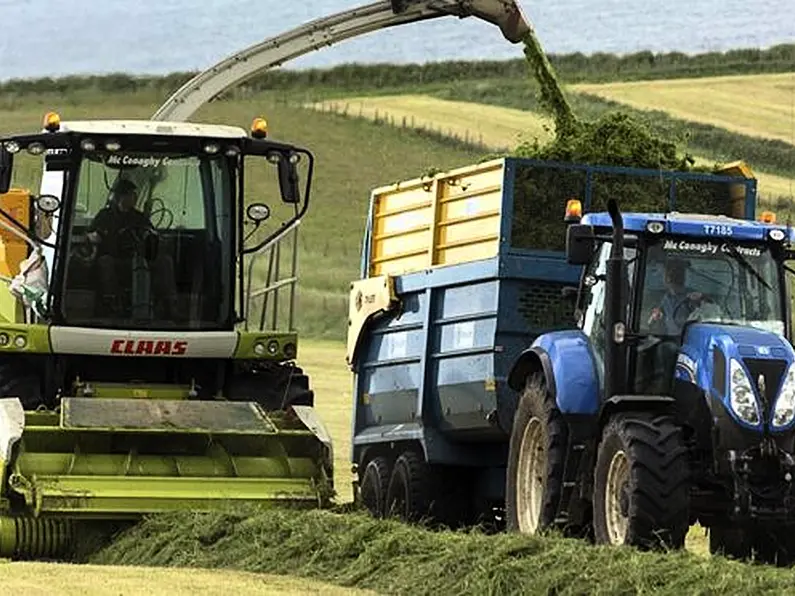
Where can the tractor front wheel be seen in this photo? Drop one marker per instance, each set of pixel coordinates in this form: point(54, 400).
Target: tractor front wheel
point(641, 484)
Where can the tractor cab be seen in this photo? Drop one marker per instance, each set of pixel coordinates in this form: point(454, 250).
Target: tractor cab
point(678, 270)
point(144, 221)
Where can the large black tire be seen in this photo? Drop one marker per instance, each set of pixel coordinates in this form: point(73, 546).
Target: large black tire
point(642, 483)
point(17, 381)
point(536, 461)
point(373, 486)
point(411, 487)
point(435, 495)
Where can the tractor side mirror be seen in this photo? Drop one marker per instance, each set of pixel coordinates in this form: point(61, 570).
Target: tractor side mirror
point(6, 169)
point(580, 244)
point(288, 178)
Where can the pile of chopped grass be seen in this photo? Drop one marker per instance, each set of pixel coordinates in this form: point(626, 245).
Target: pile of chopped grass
point(356, 550)
point(613, 139)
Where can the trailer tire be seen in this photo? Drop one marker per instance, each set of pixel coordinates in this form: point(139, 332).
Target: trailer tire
point(17, 381)
point(641, 483)
point(537, 448)
point(374, 485)
point(410, 488)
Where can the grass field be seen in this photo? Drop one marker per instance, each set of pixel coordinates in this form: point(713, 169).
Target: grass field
point(498, 127)
point(754, 105)
point(47, 579)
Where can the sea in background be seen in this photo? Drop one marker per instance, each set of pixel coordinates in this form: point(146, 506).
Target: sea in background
point(63, 37)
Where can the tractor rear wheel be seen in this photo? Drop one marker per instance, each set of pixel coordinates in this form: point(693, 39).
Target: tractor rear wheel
point(17, 381)
point(641, 484)
point(536, 459)
point(373, 486)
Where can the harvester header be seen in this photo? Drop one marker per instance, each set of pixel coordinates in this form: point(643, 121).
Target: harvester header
point(141, 368)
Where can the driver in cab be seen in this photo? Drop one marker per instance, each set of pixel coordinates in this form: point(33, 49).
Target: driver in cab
point(106, 232)
point(677, 303)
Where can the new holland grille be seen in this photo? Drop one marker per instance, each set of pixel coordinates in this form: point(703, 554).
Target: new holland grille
point(772, 372)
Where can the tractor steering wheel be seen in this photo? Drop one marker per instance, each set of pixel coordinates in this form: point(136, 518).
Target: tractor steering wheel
point(85, 250)
point(691, 300)
point(164, 212)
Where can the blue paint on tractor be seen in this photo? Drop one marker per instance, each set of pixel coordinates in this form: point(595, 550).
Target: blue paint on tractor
point(694, 227)
point(574, 371)
point(753, 349)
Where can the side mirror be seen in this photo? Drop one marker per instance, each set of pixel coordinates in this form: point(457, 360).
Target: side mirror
point(6, 169)
point(48, 203)
point(580, 244)
point(258, 212)
point(288, 179)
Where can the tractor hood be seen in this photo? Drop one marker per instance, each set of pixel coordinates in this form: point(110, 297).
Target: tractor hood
point(746, 369)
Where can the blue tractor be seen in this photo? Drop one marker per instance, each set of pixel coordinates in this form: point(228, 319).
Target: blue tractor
point(672, 401)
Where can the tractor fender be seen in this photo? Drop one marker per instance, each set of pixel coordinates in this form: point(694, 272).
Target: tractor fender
point(567, 361)
point(643, 403)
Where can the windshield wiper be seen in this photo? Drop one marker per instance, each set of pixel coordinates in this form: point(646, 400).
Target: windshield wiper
point(744, 262)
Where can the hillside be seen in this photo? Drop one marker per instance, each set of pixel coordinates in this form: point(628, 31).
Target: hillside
point(754, 105)
point(499, 128)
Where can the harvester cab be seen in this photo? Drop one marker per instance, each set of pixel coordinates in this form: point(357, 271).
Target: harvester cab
point(147, 359)
point(677, 389)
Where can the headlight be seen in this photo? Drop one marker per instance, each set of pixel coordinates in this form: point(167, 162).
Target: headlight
point(741, 394)
point(784, 412)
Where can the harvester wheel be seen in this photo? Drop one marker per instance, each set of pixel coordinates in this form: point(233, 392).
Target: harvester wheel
point(536, 459)
point(16, 381)
point(410, 489)
point(641, 484)
point(374, 485)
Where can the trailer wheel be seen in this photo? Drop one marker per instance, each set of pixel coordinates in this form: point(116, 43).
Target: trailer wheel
point(641, 484)
point(374, 485)
point(410, 488)
point(536, 458)
point(16, 381)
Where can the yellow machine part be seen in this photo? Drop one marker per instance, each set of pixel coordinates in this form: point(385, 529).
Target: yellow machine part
point(737, 192)
point(13, 249)
point(451, 218)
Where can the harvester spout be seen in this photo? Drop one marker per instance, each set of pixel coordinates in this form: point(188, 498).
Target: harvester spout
point(505, 14)
point(326, 31)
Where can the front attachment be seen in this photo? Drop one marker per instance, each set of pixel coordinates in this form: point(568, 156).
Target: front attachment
point(123, 458)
